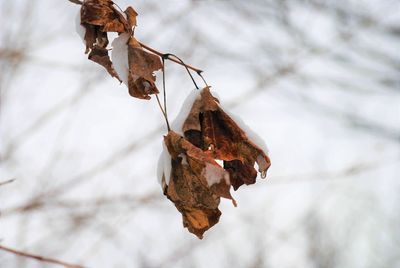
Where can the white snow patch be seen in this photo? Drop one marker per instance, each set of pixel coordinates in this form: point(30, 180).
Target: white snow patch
point(177, 124)
point(119, 56)
point(220, 162)
point(80, 30)
point(184, 159)
point(215, 174)
point(164, 166)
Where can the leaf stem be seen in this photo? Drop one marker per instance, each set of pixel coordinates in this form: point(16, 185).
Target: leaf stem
point(163, 112)
point(204, 80)
point(164, 92)
point(168, 58)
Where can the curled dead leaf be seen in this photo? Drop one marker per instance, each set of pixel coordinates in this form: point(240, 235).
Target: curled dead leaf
point(141, 88)
point(99, 17)
point(103, 14)
point(100, 56)
point(142, 65)
point(96, 46)
point(211, 129)
point(196, 184)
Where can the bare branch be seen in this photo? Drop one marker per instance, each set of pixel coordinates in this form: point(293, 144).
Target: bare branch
point(6, 182)
point(39, 258)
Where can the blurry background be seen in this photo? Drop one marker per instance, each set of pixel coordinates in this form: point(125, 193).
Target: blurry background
point(319, 81)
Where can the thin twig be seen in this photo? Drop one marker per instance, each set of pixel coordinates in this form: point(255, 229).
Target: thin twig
point(165, 93)
point(171, 59)
point(6, 182)
point(168, 56)
point(39, 258)
point(163, 112)
point(204, 80)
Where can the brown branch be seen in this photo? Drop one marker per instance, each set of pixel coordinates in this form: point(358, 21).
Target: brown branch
point(78, 2)
point(39, 258)
point(6, 182)
point(171, 59)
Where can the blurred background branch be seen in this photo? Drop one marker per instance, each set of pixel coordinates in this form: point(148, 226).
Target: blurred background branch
point(6, 182)
point(38, 258)
point(318, 80)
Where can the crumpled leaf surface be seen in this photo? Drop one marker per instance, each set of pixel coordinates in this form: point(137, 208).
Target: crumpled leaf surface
point(142, 65)
point(103, 14)
point(100, 55)
point(210, 128)
point(189, 186)
point(99, 17)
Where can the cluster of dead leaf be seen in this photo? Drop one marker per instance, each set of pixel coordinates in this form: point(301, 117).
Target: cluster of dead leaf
point(100, 17)
point(196, 181)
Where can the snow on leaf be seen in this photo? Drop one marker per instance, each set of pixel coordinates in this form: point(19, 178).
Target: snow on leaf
point(98, 17)
point(164, 167)
point(178, 122)
point(119, 56)
point(211, 129)
point(196, 184)
point(135, 66)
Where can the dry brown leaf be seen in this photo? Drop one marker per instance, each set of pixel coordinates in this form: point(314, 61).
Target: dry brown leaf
point(141, 88)
point(94, 37)
point(142, 65)
point(100, 56)
point(196, 184)
point(210, 128)
point(102, 13)
point(99, 17)
point(96, 43)
point(131, 15)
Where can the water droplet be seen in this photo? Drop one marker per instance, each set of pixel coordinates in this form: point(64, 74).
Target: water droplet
point(263, 174)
